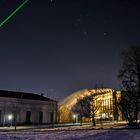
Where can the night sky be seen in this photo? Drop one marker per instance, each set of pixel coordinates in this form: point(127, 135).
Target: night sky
point(57, 47)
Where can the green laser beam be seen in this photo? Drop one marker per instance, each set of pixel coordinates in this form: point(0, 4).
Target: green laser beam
point(13, 13)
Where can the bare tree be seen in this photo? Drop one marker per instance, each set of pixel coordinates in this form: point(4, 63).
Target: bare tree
point(82, 108)
point(88, 107)
point(95, 105)
point(130, 79)
point(16, 109)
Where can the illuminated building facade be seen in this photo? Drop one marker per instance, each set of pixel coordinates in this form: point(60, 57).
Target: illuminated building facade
point(104, 100)
point(26, 108)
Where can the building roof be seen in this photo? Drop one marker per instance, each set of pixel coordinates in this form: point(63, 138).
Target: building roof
point(23, 95)
point(71, 100)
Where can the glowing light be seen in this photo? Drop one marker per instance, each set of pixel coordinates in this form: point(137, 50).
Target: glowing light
point(10, 117)
point(74, 116)
point(13, 13)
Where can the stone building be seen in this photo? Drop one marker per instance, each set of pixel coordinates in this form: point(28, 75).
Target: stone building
point(26, 108)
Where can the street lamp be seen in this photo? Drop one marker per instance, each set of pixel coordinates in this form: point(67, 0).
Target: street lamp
point(10, 117)
point(75, 116)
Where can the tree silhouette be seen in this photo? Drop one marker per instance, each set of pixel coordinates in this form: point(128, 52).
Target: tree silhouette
point(130, 79)
point(88, 107)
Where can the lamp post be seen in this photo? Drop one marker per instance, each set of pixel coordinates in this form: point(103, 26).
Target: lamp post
point(10, 117)
point(75, 116)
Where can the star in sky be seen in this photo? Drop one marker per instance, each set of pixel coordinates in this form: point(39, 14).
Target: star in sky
point(85, 32)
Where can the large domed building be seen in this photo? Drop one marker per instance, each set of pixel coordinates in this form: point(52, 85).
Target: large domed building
point(103, 100)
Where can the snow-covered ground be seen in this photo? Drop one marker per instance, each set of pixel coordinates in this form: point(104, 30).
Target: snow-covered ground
point(73, 134)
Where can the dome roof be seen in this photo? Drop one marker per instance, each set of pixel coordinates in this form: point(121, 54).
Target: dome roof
point(71, 100)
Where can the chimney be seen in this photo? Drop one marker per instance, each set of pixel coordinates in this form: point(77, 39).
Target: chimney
point(42, 95)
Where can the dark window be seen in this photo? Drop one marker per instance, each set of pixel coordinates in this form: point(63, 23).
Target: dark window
point(28, 116)
point(40, 116)
point(51, 117)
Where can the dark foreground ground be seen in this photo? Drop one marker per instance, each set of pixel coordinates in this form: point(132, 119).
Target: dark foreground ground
point(74, 133)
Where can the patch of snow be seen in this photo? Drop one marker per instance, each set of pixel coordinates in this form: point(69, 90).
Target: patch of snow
point(119, 134)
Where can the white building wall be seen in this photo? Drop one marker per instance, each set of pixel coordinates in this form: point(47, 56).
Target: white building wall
point(9, 105)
